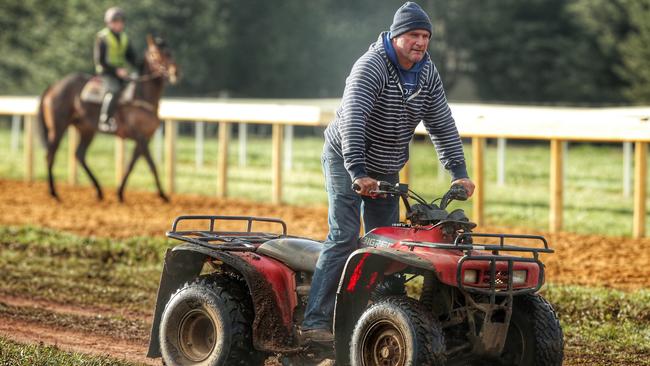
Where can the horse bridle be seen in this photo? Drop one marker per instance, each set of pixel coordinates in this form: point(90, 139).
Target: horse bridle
point(158, 69)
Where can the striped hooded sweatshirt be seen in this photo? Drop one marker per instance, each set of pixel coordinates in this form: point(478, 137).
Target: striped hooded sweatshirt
point(375, 122)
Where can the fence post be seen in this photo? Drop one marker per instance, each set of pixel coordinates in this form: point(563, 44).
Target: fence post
point(404, 177)
point(405, 173)
point(73, 141)
point(556, 186)
point(158, 144)
point(501, 161)
point(565, 161)
point(478, 153)
point(640, 179)
point(15, 132)
point(222, 160)
point(276, 162)
point(627, 169)
point(170, 155)
point(243, 129)
point(199, 137)
point(288, 147)
point(29, 148)
point(120, 156)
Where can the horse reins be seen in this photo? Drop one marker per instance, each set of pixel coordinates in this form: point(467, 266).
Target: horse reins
point(157, 72)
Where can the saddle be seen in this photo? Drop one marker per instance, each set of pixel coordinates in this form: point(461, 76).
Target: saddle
point(95, 90)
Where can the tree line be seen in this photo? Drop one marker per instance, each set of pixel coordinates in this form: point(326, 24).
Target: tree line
point(533, 51)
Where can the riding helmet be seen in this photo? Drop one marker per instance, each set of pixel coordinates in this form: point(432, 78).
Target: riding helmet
point(113, 14)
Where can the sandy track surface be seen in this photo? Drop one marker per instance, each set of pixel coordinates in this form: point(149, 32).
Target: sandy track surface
point(579, 259)
point(143, 213)
point(55, 307)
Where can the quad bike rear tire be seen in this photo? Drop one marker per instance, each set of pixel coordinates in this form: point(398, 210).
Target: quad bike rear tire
point(397, 331)
point(534, 336)
point(207, 323)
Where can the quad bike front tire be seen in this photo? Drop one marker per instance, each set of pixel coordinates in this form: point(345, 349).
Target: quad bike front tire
point(206, 323)
point(534, 337)
point(397, 331)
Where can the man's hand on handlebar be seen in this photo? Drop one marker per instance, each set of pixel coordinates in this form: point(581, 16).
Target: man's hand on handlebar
point(467, 183)
point(370, 187)
point(366, 186)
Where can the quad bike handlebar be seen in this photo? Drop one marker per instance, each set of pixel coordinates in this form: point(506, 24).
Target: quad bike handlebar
point(423, 212)
point(456, 192)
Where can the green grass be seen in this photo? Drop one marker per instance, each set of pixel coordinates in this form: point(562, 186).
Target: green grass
point(66, 268)
point(18, 354)
point(604, 320)
point(124, 274)
point(594, 202)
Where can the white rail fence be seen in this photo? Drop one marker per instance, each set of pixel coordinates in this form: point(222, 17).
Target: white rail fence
point(628, 125)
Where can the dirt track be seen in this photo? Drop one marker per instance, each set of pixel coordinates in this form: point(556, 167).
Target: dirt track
point(31, 332)
point(586, 260)
point(579, 259)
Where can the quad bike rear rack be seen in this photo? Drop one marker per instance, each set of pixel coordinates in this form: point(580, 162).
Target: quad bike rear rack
point(461, 243)
point(236, 241)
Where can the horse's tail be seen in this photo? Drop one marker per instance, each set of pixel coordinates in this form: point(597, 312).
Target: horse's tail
point(42, 127)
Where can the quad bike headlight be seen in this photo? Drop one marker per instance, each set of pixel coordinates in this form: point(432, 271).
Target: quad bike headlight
point(519, 277)
point(470, 276)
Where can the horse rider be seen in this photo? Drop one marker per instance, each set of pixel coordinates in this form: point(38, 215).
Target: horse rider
point(113, 52)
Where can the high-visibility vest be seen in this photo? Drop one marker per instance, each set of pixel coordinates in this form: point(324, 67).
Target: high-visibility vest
point(115, 49)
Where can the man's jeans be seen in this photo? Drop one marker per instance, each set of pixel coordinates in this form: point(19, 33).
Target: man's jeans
point(345, 207)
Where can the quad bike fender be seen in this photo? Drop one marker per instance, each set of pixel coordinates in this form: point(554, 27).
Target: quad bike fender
point(272, 301)
point(180, 266)
point(364, 269)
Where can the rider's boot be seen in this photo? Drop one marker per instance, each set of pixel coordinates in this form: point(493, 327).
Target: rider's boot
point(317, 349)
point(320, 336)
point(106, 121)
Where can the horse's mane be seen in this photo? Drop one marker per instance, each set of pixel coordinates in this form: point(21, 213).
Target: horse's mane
point(142, 63)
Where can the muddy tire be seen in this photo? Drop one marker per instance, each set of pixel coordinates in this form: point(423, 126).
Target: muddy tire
point(535, 336)
point(206, 323)
point(397, 331)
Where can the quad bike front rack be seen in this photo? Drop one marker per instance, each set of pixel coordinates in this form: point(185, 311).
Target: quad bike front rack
point(237, 241)
point(462, 243)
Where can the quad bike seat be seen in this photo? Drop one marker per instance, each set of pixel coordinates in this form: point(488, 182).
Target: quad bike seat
point(297, 253)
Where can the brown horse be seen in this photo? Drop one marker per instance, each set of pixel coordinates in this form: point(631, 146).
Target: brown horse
point(61, 106)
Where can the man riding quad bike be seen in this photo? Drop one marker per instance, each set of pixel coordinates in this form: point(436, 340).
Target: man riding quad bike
point(422, 292)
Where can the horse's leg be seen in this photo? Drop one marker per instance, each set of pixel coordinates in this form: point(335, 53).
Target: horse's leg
point(52, 146)
point(152, 167)
point(86, 136)
point(136, 154)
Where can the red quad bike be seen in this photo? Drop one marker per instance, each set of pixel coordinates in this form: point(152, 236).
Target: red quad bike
point(237, 297)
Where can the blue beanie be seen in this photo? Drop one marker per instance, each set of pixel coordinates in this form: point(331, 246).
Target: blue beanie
point(408, 17)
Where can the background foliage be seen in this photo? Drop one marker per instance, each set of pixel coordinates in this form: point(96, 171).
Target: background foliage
point(567, 51)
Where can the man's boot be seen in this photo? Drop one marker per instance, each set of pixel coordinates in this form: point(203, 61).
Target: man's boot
point(106, 121)
point(320, 336)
